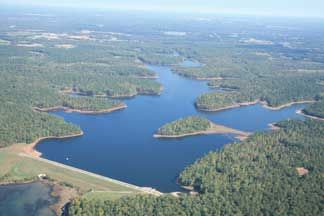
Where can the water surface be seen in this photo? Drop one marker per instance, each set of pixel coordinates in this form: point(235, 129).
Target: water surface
point(120, 145)
point(32, 199)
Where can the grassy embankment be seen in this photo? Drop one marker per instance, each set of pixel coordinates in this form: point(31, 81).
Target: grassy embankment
point(21, 166)
point(277, 173)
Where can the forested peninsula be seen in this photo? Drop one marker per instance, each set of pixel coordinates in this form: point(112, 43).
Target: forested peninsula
point(315, 110)
point(260, 176)
point(85, 105)
point(273, 92)
point(194, 125)
point(79, 65)
point(20, 124)
point(86, 79)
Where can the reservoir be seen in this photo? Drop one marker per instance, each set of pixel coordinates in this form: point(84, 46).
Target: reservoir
point(120, 145)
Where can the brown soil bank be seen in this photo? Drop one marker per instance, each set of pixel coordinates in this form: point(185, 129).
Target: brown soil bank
point(67, 109)
point(264, 104)
point(300, 112)
point(214, 129)
point(29, 149)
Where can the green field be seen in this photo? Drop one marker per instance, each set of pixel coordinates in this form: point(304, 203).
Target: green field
point(16, 167)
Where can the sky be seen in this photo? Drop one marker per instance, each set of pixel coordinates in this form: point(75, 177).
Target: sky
point(297, 8)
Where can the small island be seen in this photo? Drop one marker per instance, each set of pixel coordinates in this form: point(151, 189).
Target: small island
point(195, 125)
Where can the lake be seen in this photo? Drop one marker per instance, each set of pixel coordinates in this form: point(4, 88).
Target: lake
point(31, 199)
point(120, 145)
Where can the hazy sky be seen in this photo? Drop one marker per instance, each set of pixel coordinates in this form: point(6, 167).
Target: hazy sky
point(310, 8)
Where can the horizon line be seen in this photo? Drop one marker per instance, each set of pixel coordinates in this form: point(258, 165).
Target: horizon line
point(222, 12)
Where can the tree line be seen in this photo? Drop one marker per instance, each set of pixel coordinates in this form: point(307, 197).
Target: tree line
point(256, 177)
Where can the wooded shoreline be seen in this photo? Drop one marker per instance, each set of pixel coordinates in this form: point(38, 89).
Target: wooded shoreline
point(301, 112)
point(30, 149)
point(263, 103)
point(67, 109)
point(214, 129)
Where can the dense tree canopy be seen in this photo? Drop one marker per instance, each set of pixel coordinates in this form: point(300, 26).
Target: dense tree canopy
point(256, 177)
point(43, 60)
point(186, 125)
point(316, 109)
point(45, 76)
point(275, 91)
point(21, 124)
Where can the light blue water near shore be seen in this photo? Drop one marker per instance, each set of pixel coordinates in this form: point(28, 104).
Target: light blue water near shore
point(120, 145)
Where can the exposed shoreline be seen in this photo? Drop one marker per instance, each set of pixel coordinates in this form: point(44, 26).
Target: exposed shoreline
point(229, 107)
point(272, 126)
point(197, 78)
point(69, 110)
point(151, 93)
point(215, 129)
point(301, 112)
point(208, 78)
point(30, 149)
point(122, 96)
point(263, 103)
point(147, 77)
point(62, 194)
point(147, 190)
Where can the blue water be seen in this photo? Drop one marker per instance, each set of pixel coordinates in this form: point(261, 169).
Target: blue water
point(120, 145)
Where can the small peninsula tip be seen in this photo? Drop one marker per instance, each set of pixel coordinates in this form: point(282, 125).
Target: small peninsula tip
point(195, 125)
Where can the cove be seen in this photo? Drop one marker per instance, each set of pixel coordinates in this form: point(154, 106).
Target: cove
point(26, 199)
point(120, 145)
